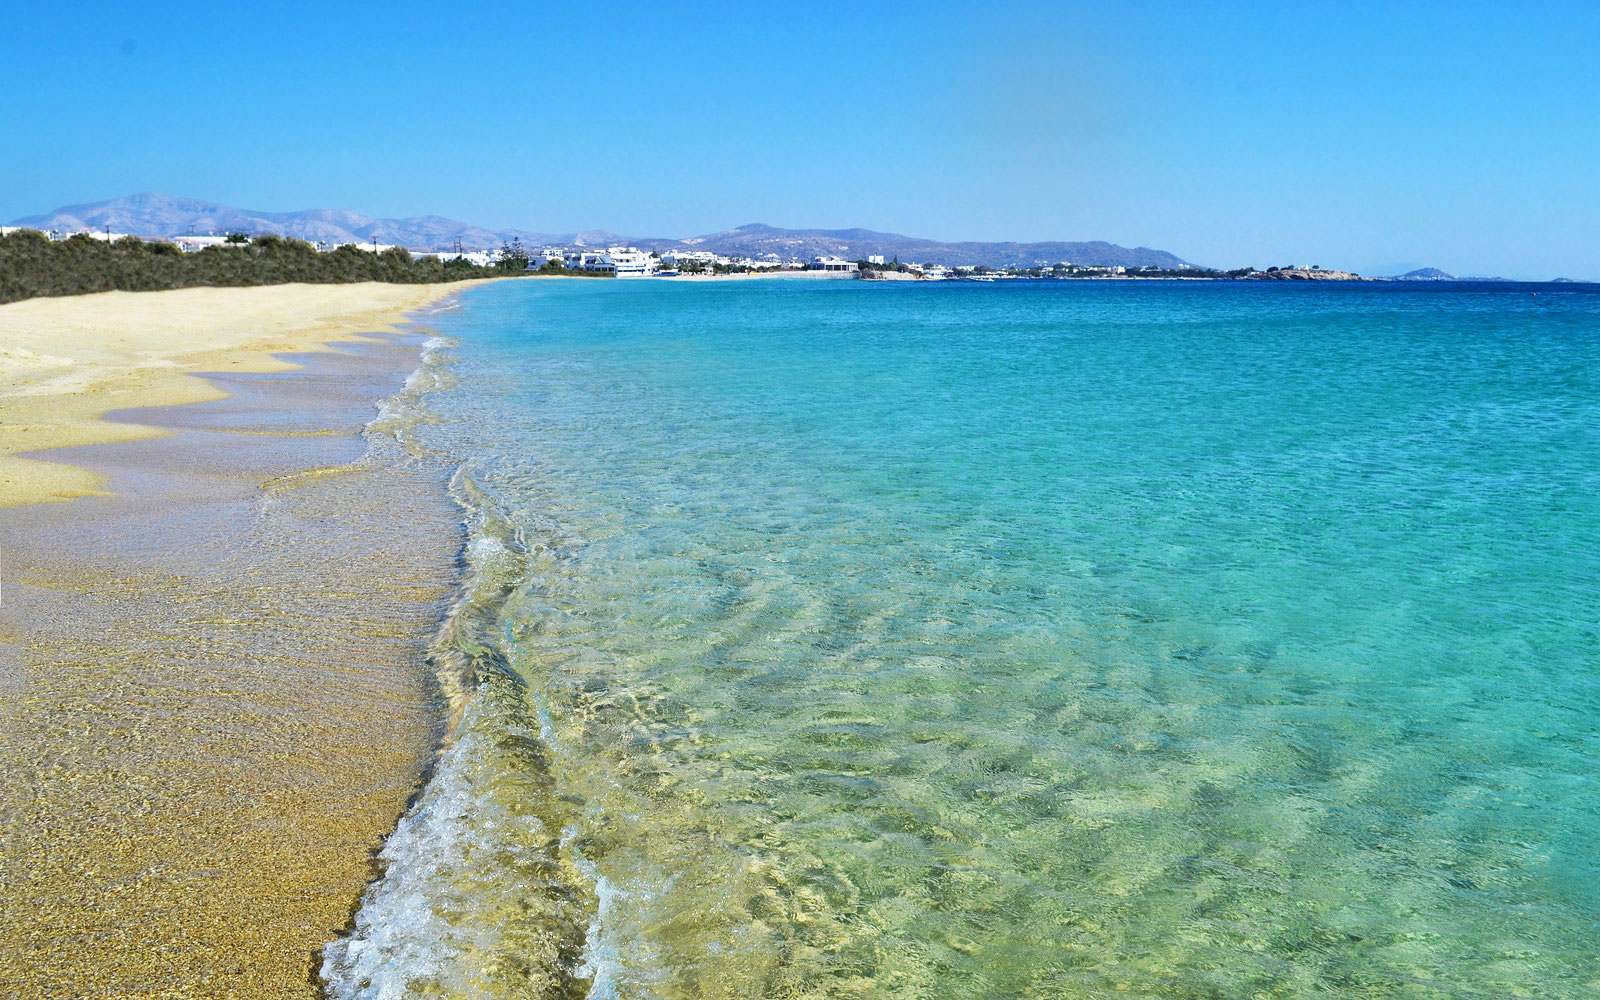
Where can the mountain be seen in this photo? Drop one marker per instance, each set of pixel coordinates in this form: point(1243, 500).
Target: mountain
point(1434, 274)
point(756, 240)
point(158, 215)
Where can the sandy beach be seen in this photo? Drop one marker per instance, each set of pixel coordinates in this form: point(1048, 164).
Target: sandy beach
point(214, 697)
point(65, 362)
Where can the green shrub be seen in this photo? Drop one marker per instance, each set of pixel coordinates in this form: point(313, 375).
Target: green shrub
point(31, 265)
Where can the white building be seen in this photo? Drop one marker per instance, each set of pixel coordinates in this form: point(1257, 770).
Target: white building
point(189, 244)
point(482, 258)
point(820, 263)
point(703, 256)
point(58, 234)
point(327, 247)
point(94, 234)
point(624, 262)
point(631, 262)
point(875, 258)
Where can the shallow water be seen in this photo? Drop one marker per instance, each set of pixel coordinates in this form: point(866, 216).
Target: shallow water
point(1032, 640)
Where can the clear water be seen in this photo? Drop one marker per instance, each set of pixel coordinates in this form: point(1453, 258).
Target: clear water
point(1035, 640)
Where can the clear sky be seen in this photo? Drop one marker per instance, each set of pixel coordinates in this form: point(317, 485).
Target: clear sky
point(1464, 136)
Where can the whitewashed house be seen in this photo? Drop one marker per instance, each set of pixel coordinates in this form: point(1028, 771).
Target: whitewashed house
point(624, 262)
point(189, 244)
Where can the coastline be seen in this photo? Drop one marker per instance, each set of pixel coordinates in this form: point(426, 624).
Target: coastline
point(737, 276)
point(768, 274)
point(214, 696)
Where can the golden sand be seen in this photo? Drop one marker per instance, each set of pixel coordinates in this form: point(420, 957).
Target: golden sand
point(66, 362)
point(214, 700)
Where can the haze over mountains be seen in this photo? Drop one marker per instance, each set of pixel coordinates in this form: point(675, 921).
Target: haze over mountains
point(1434, 274)
point(157, 215)
point(756, 240)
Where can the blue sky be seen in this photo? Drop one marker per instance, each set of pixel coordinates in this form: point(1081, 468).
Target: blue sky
point(1461, 136)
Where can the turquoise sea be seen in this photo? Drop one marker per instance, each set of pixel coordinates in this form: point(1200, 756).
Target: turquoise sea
point(1031, 639)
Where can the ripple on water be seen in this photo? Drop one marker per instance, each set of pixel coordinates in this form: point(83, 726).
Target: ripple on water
point(1179, 641)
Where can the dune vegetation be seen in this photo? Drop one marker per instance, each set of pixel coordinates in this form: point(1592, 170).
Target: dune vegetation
point(32, 265)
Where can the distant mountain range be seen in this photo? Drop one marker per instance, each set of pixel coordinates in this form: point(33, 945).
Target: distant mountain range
point(756, 240)
point(1425, 274)
point(157, 215)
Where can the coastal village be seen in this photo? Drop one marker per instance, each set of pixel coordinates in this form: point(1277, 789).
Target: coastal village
point(623, 261)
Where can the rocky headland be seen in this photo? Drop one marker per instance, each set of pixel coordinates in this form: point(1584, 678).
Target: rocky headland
point(1304, 274)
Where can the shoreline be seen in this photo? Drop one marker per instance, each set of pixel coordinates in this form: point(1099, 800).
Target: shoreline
point(66, 362)
point(740, 276)
point(214, 693)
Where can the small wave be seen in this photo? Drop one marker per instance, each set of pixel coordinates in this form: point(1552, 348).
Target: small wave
point(399, 415)
point(391, 427)
point(602, 956)
point(478, 895)
point(481, 893)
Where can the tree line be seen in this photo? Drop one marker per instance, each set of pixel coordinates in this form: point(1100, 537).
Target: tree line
point(32, 265)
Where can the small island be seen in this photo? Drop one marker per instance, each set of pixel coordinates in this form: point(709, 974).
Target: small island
point(1312, 273)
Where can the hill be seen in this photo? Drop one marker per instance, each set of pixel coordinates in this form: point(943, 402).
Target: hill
point(158, 215)
point(1434, 274)
point(756, 240)
point(1304, 274)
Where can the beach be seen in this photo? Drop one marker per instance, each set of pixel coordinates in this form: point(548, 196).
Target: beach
point(64, 362)
point(214, 700)
point(759, 639)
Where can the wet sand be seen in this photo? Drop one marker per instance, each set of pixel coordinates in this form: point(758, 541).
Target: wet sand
point(214, 700)
point(64, 362)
